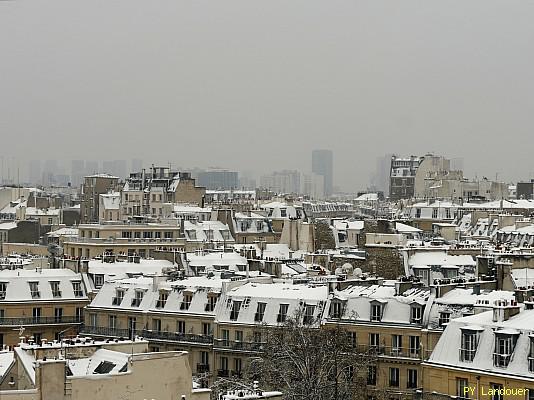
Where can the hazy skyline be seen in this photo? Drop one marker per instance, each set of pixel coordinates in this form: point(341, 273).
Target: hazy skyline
point(256, 86)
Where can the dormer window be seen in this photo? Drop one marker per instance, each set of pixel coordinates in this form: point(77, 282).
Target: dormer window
point(54, 286)
point(444, 318)
point(505, 341)
point(377, 310)
point(469, 344)
point(336, 309)
point(416, 314)
point(99, 281)
point(119, 295)
point(163, 296)
point(77, 289)
point(210, 305)
point(309, 310)
point(34, 290)
point(282, 313)
point(260, 312)
point(531, 355)
point(234, 314)
point(186, 302)
point(136, 301)
point(3, 290)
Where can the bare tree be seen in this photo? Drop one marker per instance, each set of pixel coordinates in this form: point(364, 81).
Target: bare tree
point(307, 362)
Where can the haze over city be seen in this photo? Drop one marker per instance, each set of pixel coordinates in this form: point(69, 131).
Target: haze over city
point(256, 86)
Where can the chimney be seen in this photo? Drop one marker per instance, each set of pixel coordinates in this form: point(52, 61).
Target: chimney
point(503, 310)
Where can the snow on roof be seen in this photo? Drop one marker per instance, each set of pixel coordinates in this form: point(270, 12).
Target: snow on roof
point(461, 296)
point(6, 361)
point(5, 226)
point(367, 197)
point(403, 228)
point(519, 204)
point(440, 258)
point(121, 270)
point(102, 176)
point(111, 201)
point(523, 277)
point(185, 208)
point(446, 352)
point(346, 224)
point(66, 231)
point(87, 366)
point(217, 261)
point(18, 287)
point(32, 211)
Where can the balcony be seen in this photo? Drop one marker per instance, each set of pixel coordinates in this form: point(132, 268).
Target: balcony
point(393, 352)
point(40, 321)
point(501, 360)
point(202, 368)
point(149, 334)
point(467, 355)
point(238, 345)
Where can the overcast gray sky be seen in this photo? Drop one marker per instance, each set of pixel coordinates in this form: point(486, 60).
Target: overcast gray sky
point(256, 85)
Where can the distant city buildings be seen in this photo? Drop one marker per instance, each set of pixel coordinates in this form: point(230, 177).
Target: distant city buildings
point(217, 178)
point(402, 177)
point(285, 181)
point(323, 165)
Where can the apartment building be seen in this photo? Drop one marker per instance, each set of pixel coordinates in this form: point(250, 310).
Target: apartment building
point(92, 188)
point(487, 355)
point(126, 239)
point(402, 177)
point(40, 303)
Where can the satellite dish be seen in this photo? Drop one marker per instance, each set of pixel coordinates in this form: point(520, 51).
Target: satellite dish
point(358, 272)
point(347, 269)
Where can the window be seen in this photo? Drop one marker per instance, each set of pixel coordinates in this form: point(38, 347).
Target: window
point(282, 313)
point(412, 379)
point(206, 328)
point(163, 295)
point(225, 333)
point(531, 357)
point(497, 391)
point(374, 340)
point(112, 321)
point(462, 388)
point(186, 302)
point(448, 213)
point(394, 377)
point(335, 309)
point(234, 314)
point(205, 360)
point(180, 327)
point(417, 213)
point(469, 346)
point(376, 312)
point(260, 311)
point(212, 301)
point(167, 235)
point(396, 345)
point(36, 313)
point(371, 375)
point(224, 366)
point(104, 367)
point(79, 313)
point(93, 319)
point(156, 325)
point(308, 314)
point(444, 318)
point(257, 337)
point(504, 348)
point(119, 295)
point(238, 336)
point(238, 366)
point(416, 312)
point(414, 345)
point(77, 288)
point(3, 290)
point(54, 286)
point(58, 314)
point(353, 339)
point(34, 290)
point(99, 281)
point(435, 213)
point(136, 301)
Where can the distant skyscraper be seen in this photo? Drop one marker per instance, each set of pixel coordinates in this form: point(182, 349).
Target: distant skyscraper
point(218, 179)
point(77, 171)
point(35, 174)
point(136, 165)
point(323, 165)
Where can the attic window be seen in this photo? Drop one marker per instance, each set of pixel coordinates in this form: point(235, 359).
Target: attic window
point(77, 288)
point(186, 302)
point(531, 355)
point(260, 312)
point(234, 314)
point(376, 312)
point(282, 313)
point(416, 314)
point(34, 290)
point(336, 309)
point(99, 281)
point(3, 289)
point(54, 285)
point(504, 348)
point(119, 295)
point(444, 318)
point(105, 367)
point(163, 296)
point(309, 310)
point(136, 302)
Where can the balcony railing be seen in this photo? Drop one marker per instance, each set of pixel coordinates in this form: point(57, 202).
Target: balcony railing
point(203, 368)
point(389, 351)
point(467, 355)
point(501, 360)
point(238, 345)
point(148, 334)
point(40, 320)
